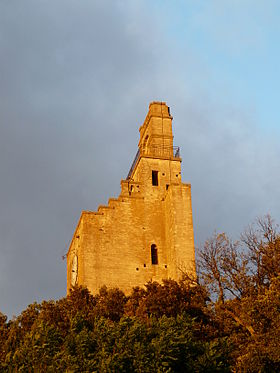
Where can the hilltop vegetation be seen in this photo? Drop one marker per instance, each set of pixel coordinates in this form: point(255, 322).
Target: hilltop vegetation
point(227, 319)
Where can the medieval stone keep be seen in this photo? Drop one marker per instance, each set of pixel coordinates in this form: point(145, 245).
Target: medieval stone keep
point(147, 232)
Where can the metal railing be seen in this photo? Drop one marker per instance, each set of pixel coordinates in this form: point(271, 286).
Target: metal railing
point(176, 152)
point(155, 151)
point(137, 156)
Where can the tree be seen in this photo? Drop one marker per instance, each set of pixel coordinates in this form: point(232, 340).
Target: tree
point(242, 278)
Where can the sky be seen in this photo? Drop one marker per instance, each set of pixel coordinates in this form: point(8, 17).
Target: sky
point(76, 80)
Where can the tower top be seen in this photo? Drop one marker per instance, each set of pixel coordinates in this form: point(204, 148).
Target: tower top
point(156, 138)
point(158, 108)
point(156, 131)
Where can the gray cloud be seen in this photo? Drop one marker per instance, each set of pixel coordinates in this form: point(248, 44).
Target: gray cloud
point(67, 72)
point(76, 79)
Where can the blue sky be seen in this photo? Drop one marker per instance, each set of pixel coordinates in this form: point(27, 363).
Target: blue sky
point(235, 45)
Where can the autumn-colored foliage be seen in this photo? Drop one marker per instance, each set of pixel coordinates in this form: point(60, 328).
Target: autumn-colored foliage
point(155, 329)
point(227, 319)
point(243, 279)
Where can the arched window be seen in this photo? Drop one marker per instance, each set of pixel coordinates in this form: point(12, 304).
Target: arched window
point(154, 254)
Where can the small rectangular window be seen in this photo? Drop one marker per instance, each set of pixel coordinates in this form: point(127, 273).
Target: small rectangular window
point(154, 254)
point(155, 178)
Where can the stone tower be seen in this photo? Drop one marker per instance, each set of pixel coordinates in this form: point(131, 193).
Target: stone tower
point(147, 232)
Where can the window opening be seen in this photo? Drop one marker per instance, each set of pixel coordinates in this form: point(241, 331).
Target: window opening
point(154, 254)
point(155, 178)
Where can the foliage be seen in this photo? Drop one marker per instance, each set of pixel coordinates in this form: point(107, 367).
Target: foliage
point(228, 321)
point(152, 330)
point(244, 281)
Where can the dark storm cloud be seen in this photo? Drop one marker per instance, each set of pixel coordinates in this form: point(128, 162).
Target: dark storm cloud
point(75, 82)
point(67, 73)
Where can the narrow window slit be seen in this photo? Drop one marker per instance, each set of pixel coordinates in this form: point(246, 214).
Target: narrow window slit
point(154, 254)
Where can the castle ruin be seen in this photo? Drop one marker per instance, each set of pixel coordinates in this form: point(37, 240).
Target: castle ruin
point(147, 232)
